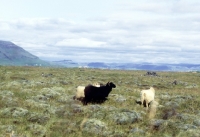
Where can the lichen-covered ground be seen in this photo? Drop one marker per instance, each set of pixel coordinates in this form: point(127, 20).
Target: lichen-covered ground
point(36, 101)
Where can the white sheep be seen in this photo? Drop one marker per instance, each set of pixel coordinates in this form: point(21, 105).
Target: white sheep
point(80, 95)
point(147, 96)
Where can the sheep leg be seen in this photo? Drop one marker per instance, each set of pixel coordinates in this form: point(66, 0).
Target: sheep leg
point(84, 101)
point(147, 104)
point(142, 100)
point(74, 97)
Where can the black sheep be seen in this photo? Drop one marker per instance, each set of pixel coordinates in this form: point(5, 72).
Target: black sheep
point(97, 94)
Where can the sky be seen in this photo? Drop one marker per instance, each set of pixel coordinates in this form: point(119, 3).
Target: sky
point(119, 31)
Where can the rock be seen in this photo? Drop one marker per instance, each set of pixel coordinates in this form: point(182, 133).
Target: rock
point(149, 73)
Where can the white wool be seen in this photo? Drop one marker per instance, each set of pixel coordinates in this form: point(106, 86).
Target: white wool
point(147, 95)
point(96, 84)
point(80, 92)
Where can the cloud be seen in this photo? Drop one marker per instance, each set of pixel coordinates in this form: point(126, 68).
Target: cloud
point(127, 31)
point(80, 42)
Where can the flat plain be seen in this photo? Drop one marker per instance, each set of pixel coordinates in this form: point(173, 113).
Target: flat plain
point(38, 101)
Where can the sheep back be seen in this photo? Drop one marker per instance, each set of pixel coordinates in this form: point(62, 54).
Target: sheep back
point(93, 93)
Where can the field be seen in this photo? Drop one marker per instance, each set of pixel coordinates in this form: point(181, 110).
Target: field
point(38, 102)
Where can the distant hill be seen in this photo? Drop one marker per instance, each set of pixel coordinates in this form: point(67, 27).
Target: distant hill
point(143, 66)
point(97, 65)
point(11, 54)
point(65, 63)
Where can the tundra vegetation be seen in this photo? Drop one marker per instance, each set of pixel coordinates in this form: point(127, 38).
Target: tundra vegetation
point(38, 101)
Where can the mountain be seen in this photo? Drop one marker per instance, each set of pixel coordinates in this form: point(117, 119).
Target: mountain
point(11, 54)
point(64, 63)
point(97, 65)
point(143, 66)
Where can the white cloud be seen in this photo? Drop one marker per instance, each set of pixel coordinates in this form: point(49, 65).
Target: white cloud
point(80, 42)
point(124, 31)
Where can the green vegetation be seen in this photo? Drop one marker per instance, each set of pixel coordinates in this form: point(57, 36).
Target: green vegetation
point(32, 104)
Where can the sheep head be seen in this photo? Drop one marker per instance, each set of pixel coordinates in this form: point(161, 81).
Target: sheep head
point(110, 84)
point(152, 89)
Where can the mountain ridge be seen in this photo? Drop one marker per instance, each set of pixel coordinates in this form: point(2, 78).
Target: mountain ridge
point(11, 54)
point(131, 66)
